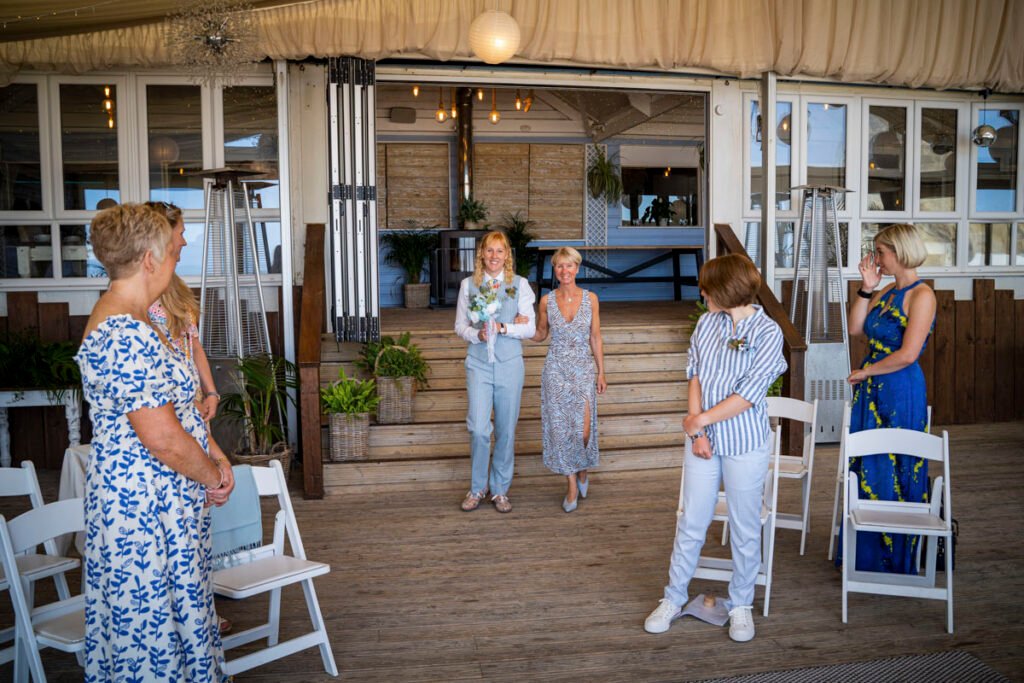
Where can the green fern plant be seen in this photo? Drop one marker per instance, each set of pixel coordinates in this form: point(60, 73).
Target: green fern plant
point(27, 362)
point(260, 400)
point(603, 178)
point(394, 362)
point(349, 395)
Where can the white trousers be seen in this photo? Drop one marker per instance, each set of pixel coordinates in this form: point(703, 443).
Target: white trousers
point(744, 485)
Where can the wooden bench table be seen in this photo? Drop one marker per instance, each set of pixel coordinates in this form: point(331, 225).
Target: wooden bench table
point(629, 275)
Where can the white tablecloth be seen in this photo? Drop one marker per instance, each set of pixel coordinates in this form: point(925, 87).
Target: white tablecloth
point(72, 485)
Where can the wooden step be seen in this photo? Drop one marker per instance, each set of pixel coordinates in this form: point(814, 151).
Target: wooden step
point(339, 476)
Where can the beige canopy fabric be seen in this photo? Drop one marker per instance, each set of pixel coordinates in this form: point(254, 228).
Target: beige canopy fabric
point(940, 44)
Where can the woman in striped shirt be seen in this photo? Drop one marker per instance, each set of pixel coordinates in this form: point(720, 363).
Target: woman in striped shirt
point(735, 356)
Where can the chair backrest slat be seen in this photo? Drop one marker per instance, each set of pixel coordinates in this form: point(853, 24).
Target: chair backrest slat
point(897, 441)
point(37, 526)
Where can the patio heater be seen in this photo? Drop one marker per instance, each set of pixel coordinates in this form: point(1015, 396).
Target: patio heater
point(233, 315)
point(818, 307)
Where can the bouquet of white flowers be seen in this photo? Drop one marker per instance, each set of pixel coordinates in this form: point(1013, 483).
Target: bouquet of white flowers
point(484, 307)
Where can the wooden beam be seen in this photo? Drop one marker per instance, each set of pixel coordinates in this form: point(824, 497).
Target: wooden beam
point(311, 322)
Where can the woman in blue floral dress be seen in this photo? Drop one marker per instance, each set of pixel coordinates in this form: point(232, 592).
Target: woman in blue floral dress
point(149, 601)
point(889, 388)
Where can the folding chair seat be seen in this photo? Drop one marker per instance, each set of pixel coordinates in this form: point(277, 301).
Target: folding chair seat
point(268, 569)
point(836, 520)
point(932, 519)
point(32, 567)
point(795, 466)
point(720, 569)
point(59, 625)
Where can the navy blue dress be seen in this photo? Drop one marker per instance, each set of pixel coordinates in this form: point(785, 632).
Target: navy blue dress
point(897, 399)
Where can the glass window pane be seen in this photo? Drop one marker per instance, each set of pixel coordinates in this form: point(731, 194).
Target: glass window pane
point(27, 251)
point(988, 244)
point(77, 259)
point(88, 123)
point(997, 165)
point(940, 243)
point(1019, 260)
point(175, 129)
point(826, 147)
point(20, 173)
point(938, 159)
point(268, 249)
point(783, 155)
point(784, 236)
point(665, 196)
point(250, 138)
point(191, 260)
point(887, 158)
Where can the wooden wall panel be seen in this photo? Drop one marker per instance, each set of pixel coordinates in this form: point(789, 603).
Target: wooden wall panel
point(944, 374)
point(556, 191)
point(1018, 363)
point(984, 348)
point(927, 363)
point(1003, 353)
point(501, 179)
point(382, 186)
point(417, 186)
point(964, 381)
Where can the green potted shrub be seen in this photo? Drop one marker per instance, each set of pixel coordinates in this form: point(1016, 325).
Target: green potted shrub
point(603, 177)
point(258, 404)
point(27, 363)
point(517, 229)
point(399, 367)
point(410, 249)
point(348, 402)
point(472, 213)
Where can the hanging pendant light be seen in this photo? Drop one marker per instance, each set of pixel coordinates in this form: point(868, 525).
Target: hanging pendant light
point(494, 116)
point(519, 101)
point(441, 115)
point(494, 36)
point(984, 135)
point(416, 90)
point(528, 102)
point(455, 111)
point(480, 94)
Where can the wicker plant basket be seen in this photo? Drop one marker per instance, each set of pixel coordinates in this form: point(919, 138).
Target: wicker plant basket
point(279, 451)
point(417, 295)
point(350, 436)
point(396, 394)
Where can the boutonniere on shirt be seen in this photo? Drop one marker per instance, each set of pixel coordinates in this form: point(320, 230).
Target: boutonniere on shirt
point(495, 284)
point(510, 292)
point(739, 344)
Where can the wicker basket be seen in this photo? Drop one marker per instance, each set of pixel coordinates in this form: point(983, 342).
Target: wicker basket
point(350, 436)
point(417, 295)
point(396, 394)
point(279, 451)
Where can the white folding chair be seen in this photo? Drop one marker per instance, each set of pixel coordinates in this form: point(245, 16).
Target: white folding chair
point(59, 625)
point(932, 519)
point(836, 522)
point(719, 569)
point(268, 569)
point(22, 481)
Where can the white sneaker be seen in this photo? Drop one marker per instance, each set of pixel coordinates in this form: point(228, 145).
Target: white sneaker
point(662, 617)
point(741, 624)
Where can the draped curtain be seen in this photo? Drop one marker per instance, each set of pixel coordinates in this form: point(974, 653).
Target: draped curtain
point(941, 44)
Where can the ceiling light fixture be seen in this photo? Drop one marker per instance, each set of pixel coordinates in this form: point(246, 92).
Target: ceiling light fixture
point(455, 112)
point(528, 102)
point(494, 116)
point(519, 101)
point(441, 115)
point(416, 90)
point(494, 36)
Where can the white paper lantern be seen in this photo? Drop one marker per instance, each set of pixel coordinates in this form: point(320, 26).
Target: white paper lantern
point(494, 36)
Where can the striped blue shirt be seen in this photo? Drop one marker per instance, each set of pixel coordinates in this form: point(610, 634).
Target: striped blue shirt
point(743, 361)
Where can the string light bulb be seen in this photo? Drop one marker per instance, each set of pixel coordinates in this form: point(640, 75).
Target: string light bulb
point(110, 121)
point(519, 101)
point(441, 115)
point(528, 102)
point(668, 170)
point(455, 112)
point(494, 116)
point(480, 94)
point(416, 90)
point(106, 91)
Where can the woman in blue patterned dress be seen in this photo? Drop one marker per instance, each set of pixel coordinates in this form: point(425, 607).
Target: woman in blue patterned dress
point(572, 378)
point(148, 597)
point(889, 388)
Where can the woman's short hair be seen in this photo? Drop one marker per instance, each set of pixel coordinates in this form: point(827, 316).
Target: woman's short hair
point(730, 281)
point(121, 236)
point(171, 212)
point(485, 241)
point(566, 254)
point(905, 242)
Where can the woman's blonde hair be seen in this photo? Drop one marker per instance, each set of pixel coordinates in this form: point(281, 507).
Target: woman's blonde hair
point(905, 242)
point(566, 254)
point(121, 236)
point(179, 302)
point(493, 236)
point(730, 281)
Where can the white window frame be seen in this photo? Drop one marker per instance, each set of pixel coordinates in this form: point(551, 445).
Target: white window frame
point(45, 154)
point(995, 216)
point(963, 153)
point(749, 213)
point(910, 169)
point(852, 150)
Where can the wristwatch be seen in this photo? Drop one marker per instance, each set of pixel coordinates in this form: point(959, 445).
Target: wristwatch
point(694, 437)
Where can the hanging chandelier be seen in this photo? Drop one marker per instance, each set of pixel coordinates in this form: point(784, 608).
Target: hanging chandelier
point(215, 39)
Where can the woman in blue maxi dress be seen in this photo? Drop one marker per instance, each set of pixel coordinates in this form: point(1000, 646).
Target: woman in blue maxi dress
point(889, 388)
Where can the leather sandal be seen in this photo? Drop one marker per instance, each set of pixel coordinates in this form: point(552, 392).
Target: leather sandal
point(502, 503)
point(472, 501)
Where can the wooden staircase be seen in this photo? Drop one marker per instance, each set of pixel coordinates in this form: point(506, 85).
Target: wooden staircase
point(639, 417)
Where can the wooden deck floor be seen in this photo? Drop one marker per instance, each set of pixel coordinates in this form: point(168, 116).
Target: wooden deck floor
point(422, 591)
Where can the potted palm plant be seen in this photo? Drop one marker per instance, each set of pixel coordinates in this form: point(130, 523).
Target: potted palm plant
point(259, 404)
point(410, 249)
point(472, 212)
point(399, 367)
point(348, 403)
point(517, 229)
